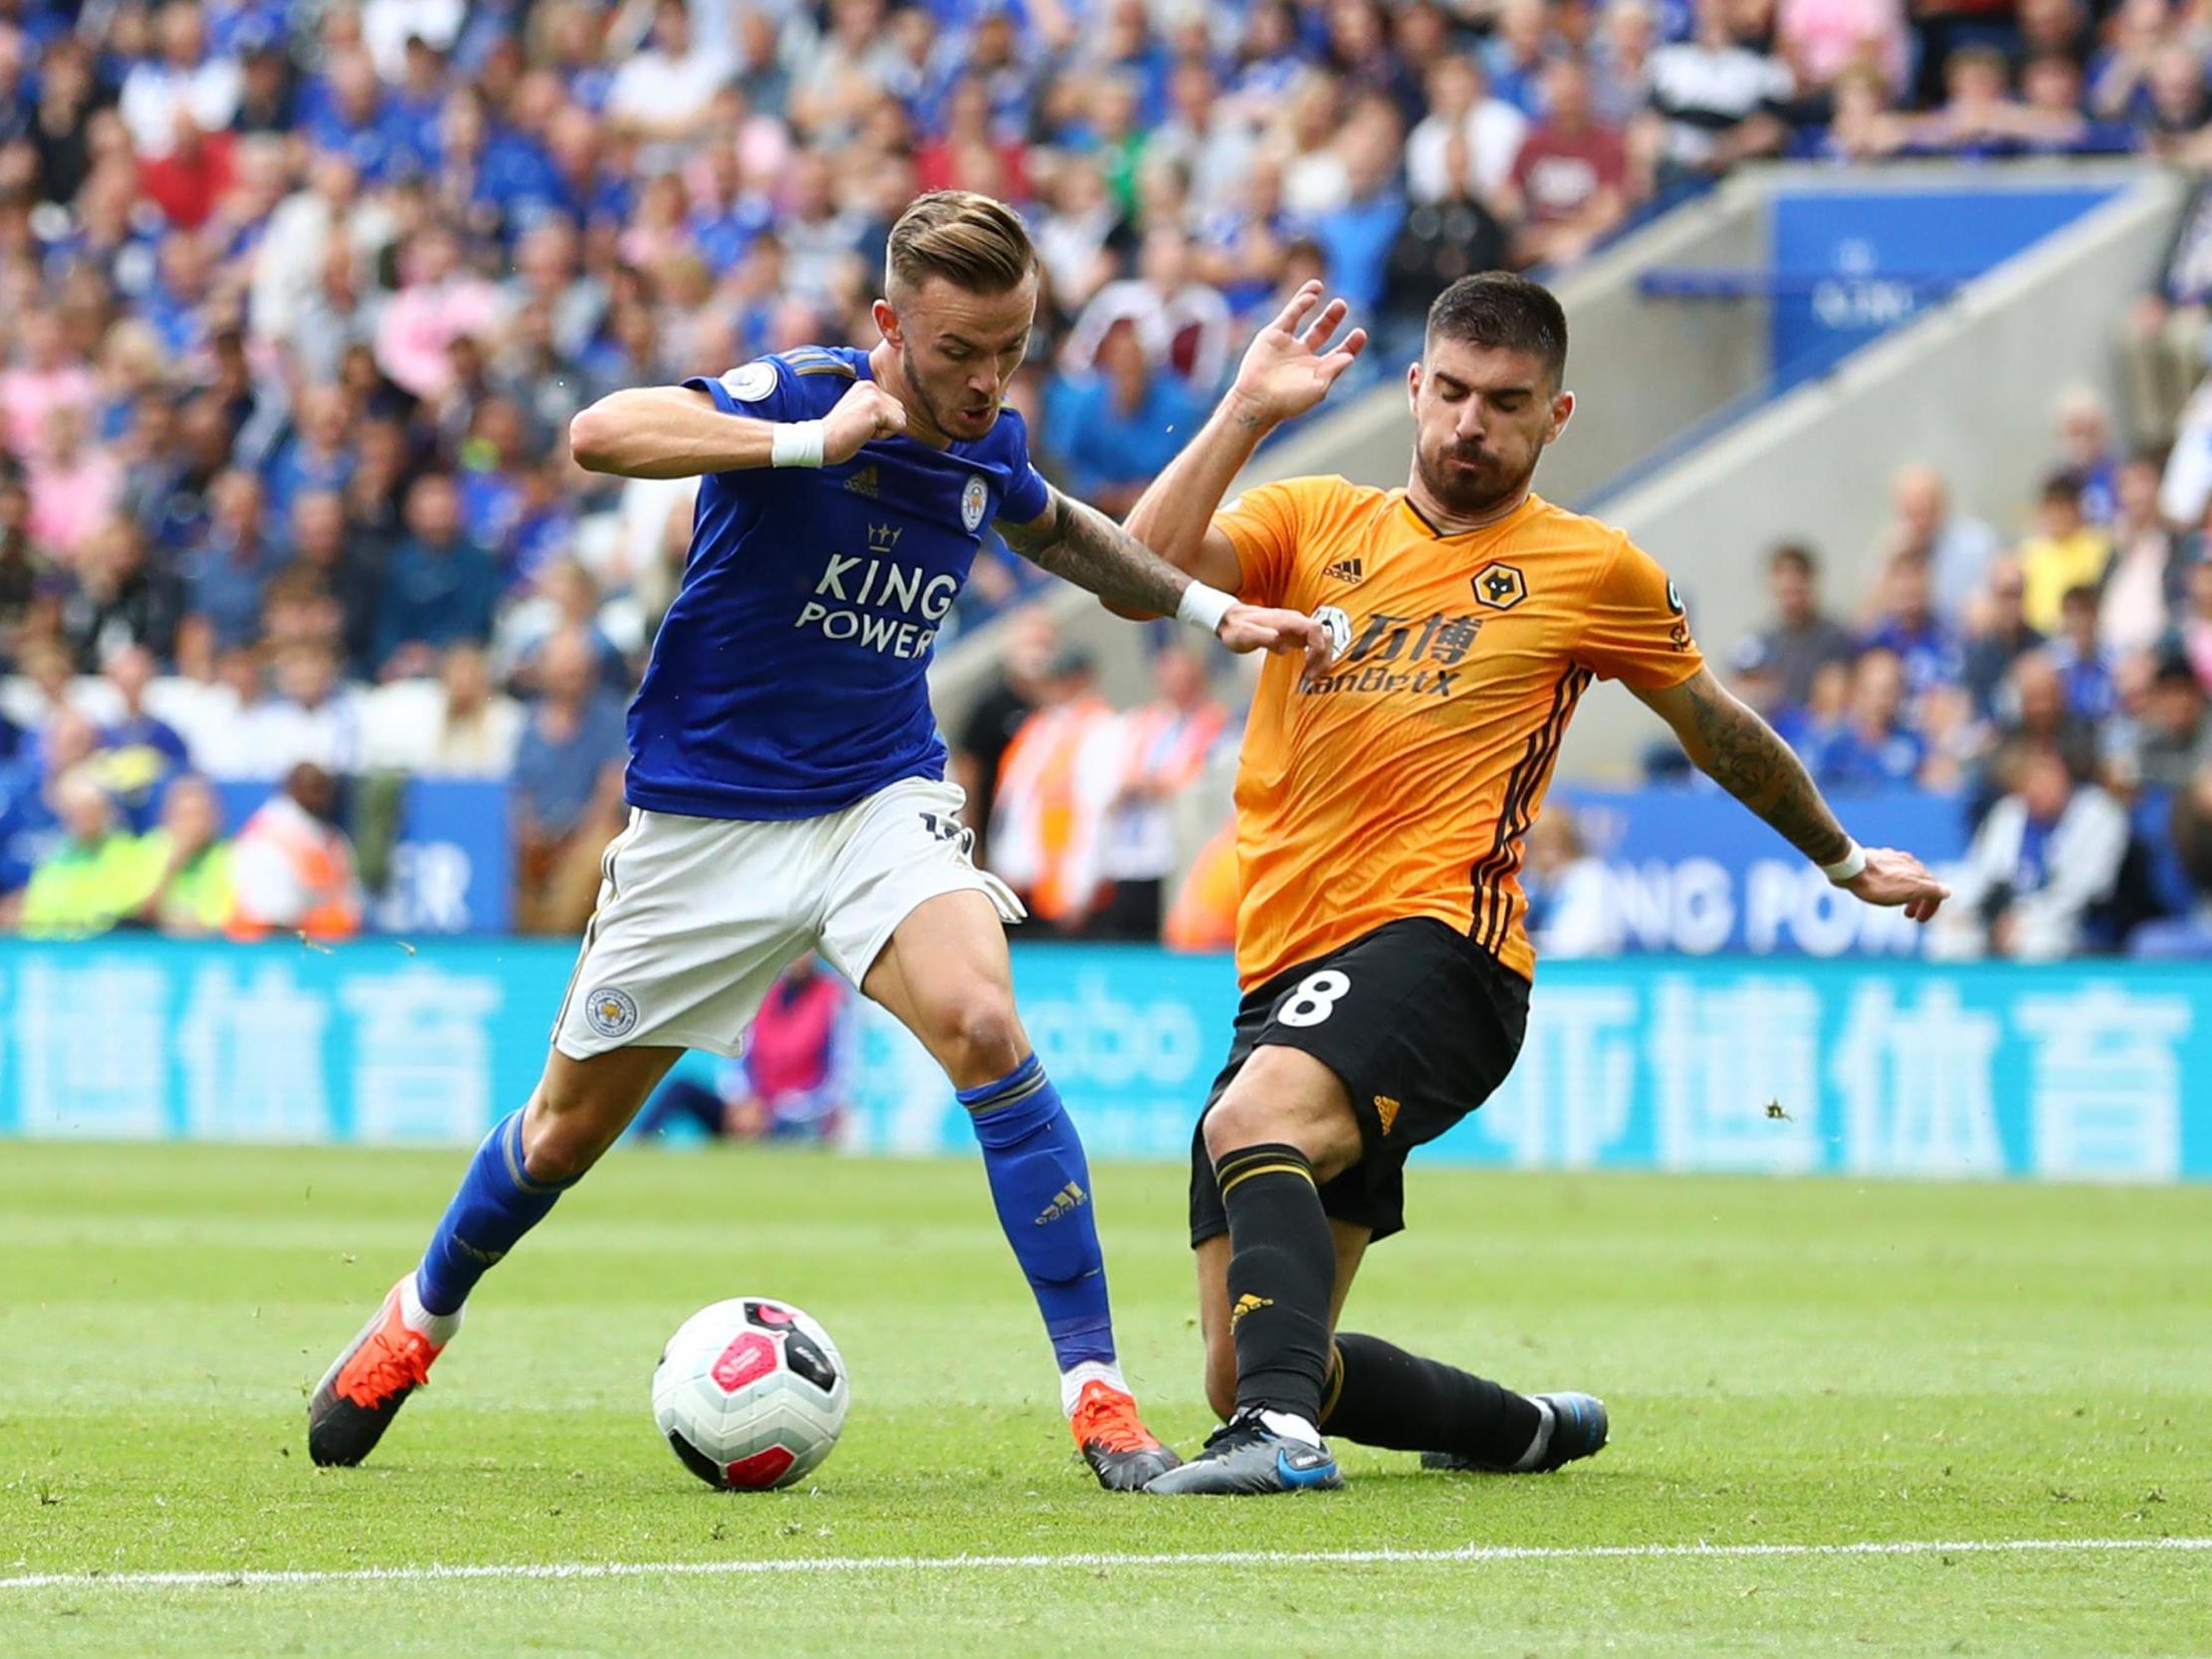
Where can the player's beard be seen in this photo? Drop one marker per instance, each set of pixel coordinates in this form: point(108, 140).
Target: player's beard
point(943, 419)
point(1471, 495)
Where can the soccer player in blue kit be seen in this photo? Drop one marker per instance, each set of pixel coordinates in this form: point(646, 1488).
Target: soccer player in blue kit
point(787, 791)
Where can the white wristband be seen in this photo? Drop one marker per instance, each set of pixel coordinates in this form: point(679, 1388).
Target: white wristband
point(797, 442)
point(1204, 607)
point(1846, 870)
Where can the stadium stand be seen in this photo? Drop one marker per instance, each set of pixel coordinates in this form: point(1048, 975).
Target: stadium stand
point(297, 300)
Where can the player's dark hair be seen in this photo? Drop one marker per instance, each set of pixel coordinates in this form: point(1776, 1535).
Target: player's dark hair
point(1502, 312)
point(973, 243)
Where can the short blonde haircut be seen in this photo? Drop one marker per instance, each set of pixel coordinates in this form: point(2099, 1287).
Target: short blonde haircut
point(973, 243)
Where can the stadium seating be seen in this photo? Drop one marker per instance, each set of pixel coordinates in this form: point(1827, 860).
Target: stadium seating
point(295, 304)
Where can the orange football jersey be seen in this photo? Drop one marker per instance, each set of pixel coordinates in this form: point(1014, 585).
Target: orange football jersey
point(1402, 781)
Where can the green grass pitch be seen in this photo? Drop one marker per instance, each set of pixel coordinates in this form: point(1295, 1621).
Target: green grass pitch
point(1788, 1362)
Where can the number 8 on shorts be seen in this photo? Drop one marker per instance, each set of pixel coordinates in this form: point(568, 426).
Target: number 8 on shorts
point(1314, 998)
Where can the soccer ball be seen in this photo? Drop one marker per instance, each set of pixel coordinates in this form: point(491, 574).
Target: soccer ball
point(751, 1393)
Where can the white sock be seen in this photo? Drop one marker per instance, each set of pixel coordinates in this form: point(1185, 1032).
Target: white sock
point(439, 1328)
point(1290, 1426)
point(1074, 1377)
point(1542, 1443)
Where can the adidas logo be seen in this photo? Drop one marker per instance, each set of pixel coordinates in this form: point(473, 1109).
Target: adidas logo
point(1342, 570)
point(1387, 1110)
point(863, 482)
point(1249, 1303)
point(1070, 1197)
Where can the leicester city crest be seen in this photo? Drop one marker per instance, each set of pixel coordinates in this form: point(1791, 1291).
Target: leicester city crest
point(972, 500)
point(612, 1011)
point(750, 383)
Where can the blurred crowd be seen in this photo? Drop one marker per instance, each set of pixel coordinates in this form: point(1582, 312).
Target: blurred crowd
point(2053, 675)
point(297, 298)
point(1088, 811)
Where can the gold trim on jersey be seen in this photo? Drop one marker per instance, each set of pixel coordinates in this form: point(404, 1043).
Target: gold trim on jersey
point(1493, 909)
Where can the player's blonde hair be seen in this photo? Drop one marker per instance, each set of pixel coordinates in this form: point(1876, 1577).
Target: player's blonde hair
point(973, 242)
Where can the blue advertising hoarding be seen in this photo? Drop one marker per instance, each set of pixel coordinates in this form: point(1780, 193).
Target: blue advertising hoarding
point(374, 1041)
point(1690, 871)
point(1850, 265)
point(453, 867)
point(2087, 1071)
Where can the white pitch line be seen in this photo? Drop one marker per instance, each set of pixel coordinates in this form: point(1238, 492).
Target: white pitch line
point(1466, 1553)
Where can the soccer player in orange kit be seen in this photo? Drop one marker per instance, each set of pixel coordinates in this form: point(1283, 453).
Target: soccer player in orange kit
point(1382, 806)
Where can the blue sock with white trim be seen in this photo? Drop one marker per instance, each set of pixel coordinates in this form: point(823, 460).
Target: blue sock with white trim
point(1042, 1188)
point(496, 1203)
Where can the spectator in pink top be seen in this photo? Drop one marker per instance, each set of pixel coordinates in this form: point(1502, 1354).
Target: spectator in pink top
point(73, 486)
point(1823, 38)
point(787, 1084)
point(442, 302)
point(791, 1057)
point(43, 379)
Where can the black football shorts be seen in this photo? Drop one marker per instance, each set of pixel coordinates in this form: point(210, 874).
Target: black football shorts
point(1419, 1022)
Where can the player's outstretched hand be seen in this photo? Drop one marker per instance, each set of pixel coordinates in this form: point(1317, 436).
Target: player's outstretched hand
point(1253, 628)
point(863, 414)
point(1290, 367)
point(1892, 878)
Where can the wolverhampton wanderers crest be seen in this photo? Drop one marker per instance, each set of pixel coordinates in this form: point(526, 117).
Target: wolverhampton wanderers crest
point(1500, 586)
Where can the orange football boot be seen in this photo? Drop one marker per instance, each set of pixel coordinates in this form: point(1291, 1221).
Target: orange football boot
point(1121, 1451)
point(367, 1386)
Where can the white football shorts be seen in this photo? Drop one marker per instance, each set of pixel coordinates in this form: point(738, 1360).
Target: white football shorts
point(696, 917)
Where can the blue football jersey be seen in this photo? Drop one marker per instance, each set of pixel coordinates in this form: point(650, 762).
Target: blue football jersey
point(789, 678)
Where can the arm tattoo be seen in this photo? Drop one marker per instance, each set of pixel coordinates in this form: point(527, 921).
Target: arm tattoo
point(1088, 548)
point(1740, 753)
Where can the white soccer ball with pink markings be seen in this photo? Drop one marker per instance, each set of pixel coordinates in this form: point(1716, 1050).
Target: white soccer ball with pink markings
point(751, 1393)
